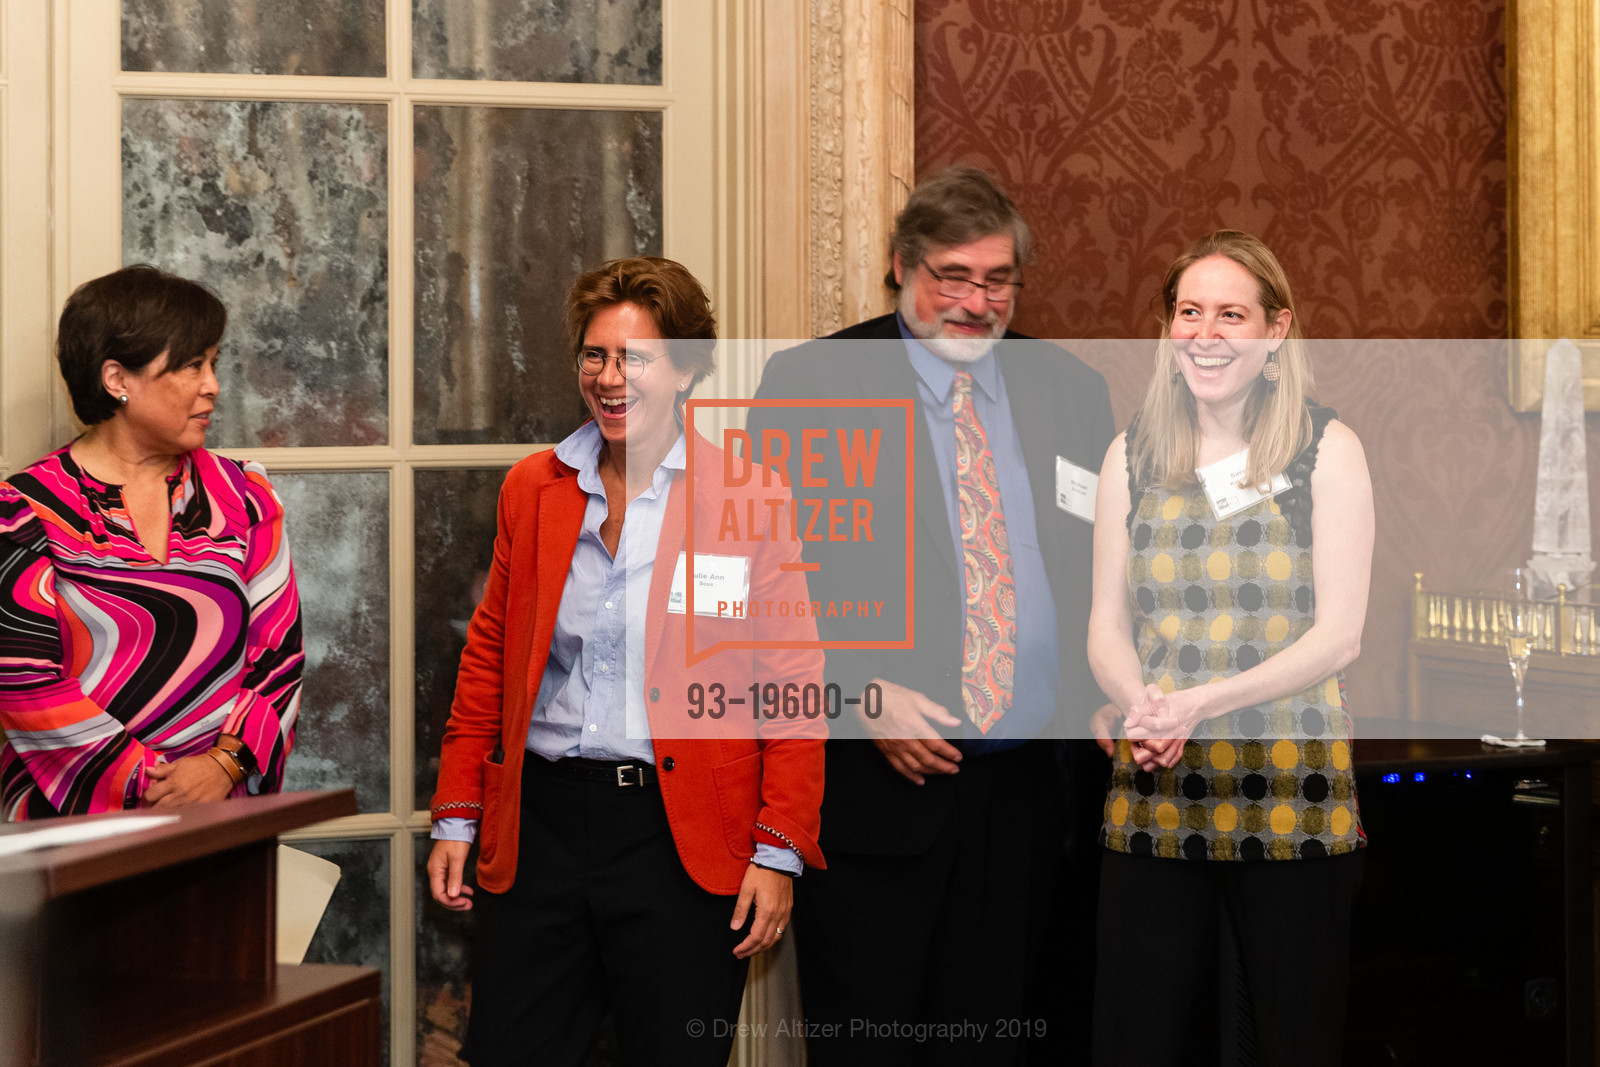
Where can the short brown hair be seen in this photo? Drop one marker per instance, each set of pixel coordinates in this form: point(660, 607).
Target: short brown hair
point(958, 205)
point(664, 288)
point(131, 316)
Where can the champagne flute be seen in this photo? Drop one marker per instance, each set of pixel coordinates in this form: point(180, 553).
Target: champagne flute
point(1519, 627)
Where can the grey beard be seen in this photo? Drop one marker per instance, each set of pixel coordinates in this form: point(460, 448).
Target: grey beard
point(950, 349)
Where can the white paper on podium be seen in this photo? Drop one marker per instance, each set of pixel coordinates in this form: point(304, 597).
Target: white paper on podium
point(305, 885)
point(48, 836)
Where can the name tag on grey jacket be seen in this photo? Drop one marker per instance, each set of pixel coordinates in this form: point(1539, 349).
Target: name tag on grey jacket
point(1075, 489)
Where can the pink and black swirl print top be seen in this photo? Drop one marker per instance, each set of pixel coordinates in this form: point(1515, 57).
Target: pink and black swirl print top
point(111, 661)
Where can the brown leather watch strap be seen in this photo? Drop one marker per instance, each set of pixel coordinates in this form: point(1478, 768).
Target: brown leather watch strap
point(236, 750)
point(229, 765)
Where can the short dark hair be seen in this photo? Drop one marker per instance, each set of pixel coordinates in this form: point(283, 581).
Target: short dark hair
point(958, 205)
point(131, 316)
point(664, 288)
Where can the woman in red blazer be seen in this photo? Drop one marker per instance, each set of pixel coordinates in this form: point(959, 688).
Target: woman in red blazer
point(615, 813)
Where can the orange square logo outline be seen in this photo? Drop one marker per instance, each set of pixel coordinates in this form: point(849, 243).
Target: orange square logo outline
point(690, 406)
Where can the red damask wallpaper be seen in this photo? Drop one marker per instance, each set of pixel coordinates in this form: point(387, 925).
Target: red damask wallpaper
point(1364, 141)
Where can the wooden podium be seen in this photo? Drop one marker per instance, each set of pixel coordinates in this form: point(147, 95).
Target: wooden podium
point(158, 946)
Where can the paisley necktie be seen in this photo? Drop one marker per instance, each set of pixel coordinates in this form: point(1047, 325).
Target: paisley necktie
point(989, 650)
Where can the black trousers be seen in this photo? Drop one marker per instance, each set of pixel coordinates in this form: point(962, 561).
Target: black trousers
point(929, 959)
point(601, 915)
point(1155, 986)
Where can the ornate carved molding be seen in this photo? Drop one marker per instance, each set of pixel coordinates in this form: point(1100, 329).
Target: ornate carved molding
point(837, 157)
point(1555, 190)
point(878, 146)
point(827, 165)
point(832, 136)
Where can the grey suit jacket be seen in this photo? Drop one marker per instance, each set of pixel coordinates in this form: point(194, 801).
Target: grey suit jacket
point(1060, 407)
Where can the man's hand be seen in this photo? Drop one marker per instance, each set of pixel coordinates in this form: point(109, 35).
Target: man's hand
point(905, 733)
point(188, 780)
point(772, 894)
point(446, 863)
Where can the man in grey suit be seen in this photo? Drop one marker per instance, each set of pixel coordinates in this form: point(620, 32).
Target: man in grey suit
point(945, 829)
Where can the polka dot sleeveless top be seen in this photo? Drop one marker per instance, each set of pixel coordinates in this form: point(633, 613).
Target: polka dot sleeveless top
point(1211, 598)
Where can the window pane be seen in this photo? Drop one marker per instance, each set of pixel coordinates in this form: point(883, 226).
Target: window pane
point(338, 529)
point(512, 204)
point(355, 928)
point(254, 36)
point(615, 41)
point(455, 522)
point(282, 208)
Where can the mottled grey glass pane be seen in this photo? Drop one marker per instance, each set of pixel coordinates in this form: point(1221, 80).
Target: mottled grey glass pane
point(512, 204)
point(455, 525)
point(615, 41)
point(355, 928)
point(338, 528)
point(282, 208)
point(254, 36)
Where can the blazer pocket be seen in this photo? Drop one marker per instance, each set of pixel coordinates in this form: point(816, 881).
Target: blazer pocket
point(738, 785)
point(488, 835)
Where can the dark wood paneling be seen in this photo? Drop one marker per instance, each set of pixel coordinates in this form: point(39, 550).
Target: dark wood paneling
point(1470, 685)
point(157, 947)
point(317, 1014)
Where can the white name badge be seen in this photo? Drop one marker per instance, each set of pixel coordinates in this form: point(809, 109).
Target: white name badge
point(719, 583)
point(1221, 481)
point(1075, 489)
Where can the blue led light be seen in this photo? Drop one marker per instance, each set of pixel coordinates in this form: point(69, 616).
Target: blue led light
point(1391, 779)
point(1419, 777)
point(1469, 776)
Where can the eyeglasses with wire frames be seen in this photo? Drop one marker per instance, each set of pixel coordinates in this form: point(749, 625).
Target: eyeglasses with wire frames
point(957, 288)
point(630, 365)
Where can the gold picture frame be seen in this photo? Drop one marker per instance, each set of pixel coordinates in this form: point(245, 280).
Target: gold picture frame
point(1554, 191)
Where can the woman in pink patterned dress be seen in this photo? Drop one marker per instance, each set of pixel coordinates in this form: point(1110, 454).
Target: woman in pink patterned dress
point(150, 648)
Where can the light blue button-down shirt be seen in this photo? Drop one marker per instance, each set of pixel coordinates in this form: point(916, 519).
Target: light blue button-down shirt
point(1033, 689)
point(591, 697)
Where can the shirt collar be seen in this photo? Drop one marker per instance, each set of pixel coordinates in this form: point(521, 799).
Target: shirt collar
point(939, 375)
point(581, 451)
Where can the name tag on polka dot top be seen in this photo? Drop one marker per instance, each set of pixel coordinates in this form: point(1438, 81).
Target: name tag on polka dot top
point(1221, 481)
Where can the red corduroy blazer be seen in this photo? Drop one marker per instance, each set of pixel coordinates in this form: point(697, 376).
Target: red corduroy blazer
point(729, 785)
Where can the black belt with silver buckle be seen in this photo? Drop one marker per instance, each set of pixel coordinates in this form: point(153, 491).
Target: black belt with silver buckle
point(621, 773)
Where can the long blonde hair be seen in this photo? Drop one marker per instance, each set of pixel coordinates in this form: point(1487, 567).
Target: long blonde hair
point(1163, 443)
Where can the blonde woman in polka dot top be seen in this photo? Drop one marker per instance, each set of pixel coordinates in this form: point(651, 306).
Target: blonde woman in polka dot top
point(1221, 642)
